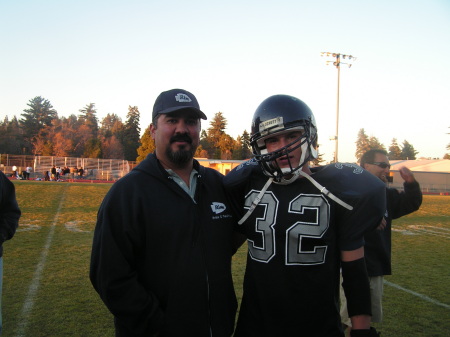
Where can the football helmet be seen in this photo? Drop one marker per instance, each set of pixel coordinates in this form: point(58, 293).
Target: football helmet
point(276, 115)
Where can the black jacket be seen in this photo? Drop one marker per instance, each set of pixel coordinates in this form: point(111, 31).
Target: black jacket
point(377, 249)
point(9, 210)
point(162, 262)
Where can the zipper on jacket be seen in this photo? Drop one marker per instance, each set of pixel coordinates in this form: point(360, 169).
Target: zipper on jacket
point(200, 232)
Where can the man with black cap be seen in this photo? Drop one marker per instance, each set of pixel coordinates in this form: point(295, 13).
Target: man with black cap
point(161, 255)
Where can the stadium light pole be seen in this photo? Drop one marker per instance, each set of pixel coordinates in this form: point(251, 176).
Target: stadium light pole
point(349, 59)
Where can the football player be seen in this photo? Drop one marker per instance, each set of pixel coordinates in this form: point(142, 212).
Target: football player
point(302, 225)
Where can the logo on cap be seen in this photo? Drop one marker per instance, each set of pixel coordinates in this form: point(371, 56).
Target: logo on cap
point(182, 98)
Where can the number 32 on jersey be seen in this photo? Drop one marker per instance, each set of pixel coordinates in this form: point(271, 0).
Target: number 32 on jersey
point(313, 227)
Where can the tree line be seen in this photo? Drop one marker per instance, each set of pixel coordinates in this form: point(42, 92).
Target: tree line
point(40, 131)
point(364, 143)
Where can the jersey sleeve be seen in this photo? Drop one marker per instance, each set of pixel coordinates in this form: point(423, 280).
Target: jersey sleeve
point(236, 185)
point(367, 194)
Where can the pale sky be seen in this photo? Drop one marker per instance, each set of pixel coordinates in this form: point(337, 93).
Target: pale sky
point(234, 54)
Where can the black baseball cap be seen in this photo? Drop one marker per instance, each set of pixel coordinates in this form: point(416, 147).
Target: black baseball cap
point(176, 99)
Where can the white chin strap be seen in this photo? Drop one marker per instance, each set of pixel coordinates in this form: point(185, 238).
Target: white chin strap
point(325, 192)
point(256, 201)
point(294, 177)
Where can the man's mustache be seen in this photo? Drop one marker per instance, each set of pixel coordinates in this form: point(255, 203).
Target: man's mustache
point(181, 138)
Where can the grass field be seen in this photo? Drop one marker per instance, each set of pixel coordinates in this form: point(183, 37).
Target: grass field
point(47, 292)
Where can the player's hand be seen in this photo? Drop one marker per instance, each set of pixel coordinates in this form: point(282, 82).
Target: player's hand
point(364, 333)
point(407, 175)
point(382, 225)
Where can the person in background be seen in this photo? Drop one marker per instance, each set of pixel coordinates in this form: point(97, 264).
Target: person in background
point(15, 174)
point(9, 221)
point(58, 173)
point(162, 248)
point(73, 172)
point(28, 172)
point(53, 172)
point(378, 242)
point(302, 224)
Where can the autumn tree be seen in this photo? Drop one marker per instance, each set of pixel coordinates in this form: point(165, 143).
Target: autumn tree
point(111, 148)
point(86, 140)
point(220, 143)
point(237, 148)
point(147, 145)
point(111, 134)
point(89, 118)
point(225, 145)
point(241, 147)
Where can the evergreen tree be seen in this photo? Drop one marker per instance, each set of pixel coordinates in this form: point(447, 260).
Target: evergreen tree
point(246, 148)
point(109, 125)
point(86, 139)
point(395, 152)
point(408, 151)
point(89, 118)
point(222, 143)
point(206, 144)
point(374, 144)
point(11, 137)
point(93, 148)
point(131, 134)
point(225, 145)
point(38, 116)
point(362, 144)
point(237, 149)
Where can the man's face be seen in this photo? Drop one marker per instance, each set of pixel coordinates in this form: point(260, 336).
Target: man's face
point(177, 136)
point(279, 141)
point(378, 171)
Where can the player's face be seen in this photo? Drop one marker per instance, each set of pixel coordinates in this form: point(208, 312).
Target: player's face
point(177, 136)
point(376, 169)
point(277, 142)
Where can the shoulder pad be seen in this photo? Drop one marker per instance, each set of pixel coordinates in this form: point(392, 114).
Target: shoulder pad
point(242, 173)
point(349, 179)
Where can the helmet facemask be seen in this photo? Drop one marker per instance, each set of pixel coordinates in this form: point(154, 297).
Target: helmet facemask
point(268, 160)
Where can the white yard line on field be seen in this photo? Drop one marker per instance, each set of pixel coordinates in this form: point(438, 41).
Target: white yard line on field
point(34, 286)
point(423, 297)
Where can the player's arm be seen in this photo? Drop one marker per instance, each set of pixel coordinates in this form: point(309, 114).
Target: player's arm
point(357, 291)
